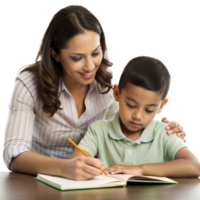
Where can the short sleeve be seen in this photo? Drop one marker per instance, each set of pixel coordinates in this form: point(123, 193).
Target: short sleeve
point(89, 142)
point(19, 128)
point(171, 144)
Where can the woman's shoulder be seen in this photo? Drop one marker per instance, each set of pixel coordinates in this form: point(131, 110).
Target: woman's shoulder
point(28, 79)
point(26, 76)
point(26, 83)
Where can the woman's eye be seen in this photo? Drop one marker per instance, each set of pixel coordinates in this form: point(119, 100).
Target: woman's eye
point(79, 58)
point(75, 59)
point(95, 54)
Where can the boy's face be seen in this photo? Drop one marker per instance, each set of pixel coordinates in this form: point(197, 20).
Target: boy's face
point(137, 107)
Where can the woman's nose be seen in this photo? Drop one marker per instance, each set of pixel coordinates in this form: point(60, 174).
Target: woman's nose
point(89, 65)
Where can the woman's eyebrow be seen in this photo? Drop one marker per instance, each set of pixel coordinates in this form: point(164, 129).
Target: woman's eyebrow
point(80, 54)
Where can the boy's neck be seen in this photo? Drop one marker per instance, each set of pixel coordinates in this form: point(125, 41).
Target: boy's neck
point(132, 135)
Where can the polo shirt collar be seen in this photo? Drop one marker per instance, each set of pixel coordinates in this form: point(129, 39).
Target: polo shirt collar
point(115, 128)
point(116, 133)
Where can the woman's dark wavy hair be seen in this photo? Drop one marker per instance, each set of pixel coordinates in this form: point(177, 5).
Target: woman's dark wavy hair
point(65, 24)
point(148, 73)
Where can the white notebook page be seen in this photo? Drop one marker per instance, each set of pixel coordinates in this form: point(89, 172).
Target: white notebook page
point(63, 182)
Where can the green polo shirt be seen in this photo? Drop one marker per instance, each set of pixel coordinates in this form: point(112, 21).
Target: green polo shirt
point(105, 139)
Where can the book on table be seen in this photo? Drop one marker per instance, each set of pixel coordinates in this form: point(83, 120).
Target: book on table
point(101, 181)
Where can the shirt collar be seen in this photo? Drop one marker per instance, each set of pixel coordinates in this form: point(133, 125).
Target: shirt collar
point(62, 86)
point(116, 133)
point(115, 128)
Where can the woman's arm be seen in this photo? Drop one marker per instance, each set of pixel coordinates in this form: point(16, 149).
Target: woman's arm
point(34, 163)
point(80, 168)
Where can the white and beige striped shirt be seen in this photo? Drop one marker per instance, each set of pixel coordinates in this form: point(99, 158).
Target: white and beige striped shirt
point(30, 129)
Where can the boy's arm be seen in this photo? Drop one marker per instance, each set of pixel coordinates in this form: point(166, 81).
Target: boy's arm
point(184, 165)
point(88, 143)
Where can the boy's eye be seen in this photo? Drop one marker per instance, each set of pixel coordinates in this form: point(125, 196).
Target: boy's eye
point(149, 111)
point(130, 105)
point(79, 58)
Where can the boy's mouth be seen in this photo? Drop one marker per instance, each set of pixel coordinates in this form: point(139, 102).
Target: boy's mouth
point(135, 124)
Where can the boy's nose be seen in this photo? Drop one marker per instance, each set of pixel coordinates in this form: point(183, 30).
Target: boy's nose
point(137, 115)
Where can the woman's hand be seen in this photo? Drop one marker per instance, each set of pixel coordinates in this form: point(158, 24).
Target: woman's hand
point(125, 169)
point(174, 127)
point(81, 168)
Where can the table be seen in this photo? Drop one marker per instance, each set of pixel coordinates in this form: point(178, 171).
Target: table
point(15, 186)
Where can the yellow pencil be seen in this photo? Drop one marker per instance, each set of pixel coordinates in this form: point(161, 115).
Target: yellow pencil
point(83, 152)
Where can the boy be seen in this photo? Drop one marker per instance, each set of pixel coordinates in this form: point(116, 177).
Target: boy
point(132, 142)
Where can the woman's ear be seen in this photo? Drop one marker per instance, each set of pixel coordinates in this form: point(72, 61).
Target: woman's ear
point(162, 105)
point(54, 55)
point(116, 92)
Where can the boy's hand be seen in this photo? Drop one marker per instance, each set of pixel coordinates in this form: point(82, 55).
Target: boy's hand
point(174, 127)
point(125, 169)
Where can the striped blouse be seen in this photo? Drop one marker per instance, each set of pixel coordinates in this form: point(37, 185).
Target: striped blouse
point(30, 129)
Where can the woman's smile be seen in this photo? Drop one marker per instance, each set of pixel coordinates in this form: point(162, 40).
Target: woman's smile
point(88, 75)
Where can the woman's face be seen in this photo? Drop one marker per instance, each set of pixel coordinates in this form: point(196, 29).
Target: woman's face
point(81, 58)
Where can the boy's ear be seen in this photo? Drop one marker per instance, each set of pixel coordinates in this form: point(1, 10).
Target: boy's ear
point(116, 92)
point(162, 105)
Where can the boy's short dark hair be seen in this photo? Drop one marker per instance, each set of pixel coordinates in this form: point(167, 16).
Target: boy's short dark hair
point(148, 73)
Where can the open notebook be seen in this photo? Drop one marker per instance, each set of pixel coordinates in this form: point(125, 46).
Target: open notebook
point(101, 181)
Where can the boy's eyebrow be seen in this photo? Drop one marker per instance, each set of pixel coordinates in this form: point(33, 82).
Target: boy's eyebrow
point(131, 99)
point(83, 54)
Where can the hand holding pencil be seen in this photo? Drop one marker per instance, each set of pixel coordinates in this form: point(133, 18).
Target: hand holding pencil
point(83, 152)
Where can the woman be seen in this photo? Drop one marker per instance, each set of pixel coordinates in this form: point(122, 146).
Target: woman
point(58, 96)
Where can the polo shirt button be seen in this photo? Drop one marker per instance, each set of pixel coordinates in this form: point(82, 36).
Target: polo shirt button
point(128, 151)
